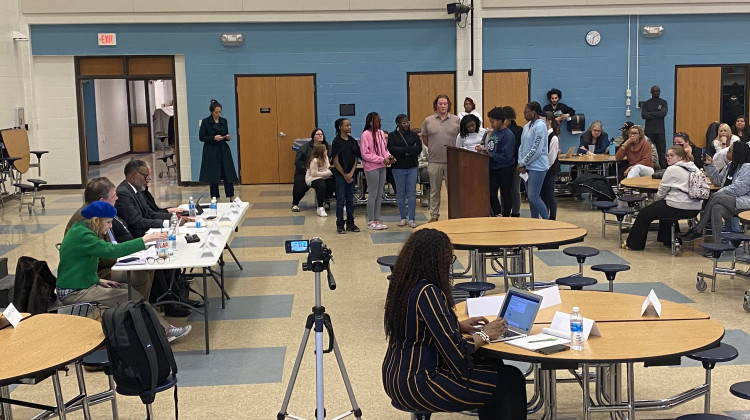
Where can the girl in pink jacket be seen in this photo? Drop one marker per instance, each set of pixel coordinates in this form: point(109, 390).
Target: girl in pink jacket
point(375, 157)
point(318, 170)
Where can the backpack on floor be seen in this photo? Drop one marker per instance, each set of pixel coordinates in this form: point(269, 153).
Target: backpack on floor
point(139, 354)
point(595, 184)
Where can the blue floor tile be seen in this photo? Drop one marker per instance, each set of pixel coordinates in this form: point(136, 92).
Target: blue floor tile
point(275, 221)
point(4, 249)
point(272, 205)
point(262, 268)
point(26, 229)
point(262, 241)
point(737, 338)
point(390, 237)
point(641, 289)
point(558, 259)
point(230, 367)
point(70, 199)
point(275, 194)
point(247, 307)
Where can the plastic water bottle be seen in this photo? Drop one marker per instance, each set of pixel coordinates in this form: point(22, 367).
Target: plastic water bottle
point(191, 207)
point(214, 211)
point(611, 147)
point(576, 330)
point(173, 221)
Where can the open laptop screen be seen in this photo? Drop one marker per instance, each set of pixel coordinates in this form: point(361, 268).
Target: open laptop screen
point(520, 311)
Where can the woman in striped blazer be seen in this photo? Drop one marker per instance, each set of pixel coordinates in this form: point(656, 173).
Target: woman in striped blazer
point(429, 365)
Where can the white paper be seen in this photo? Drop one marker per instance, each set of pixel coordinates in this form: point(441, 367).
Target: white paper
point(238, 201)
point(12, 315)
point(561, 325)
point(484, 306)
point(538, 341)
point(212, 241)
point(524, 176)
point(550, 296)
point(141, 256)
point(652, 305)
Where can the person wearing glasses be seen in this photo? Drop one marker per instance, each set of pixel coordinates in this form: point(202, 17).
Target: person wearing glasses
point(637, 150)
point(132, 204)
point(80, 252)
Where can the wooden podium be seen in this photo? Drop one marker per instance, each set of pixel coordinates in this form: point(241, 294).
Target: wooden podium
point(468, 181)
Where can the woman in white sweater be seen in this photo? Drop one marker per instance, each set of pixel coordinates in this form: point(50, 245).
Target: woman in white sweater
point(672, 201)
point(318, 171)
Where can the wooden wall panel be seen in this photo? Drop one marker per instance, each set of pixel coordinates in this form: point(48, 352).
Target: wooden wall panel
point(423, 88)
point(150, 65)
point(101, 66)
point(697, 101)
point(502, 88)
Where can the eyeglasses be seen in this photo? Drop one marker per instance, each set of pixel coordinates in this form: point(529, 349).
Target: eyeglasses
point(634, 132)
point(156, 260)
point(146, 176)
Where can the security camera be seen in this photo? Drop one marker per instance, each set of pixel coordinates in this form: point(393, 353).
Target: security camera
point(457, 8)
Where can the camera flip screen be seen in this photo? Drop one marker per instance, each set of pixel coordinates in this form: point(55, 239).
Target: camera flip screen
point(297, 246)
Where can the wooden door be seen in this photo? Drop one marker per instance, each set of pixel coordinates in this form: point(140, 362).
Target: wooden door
point(423, 88)
point(272, 111)
point(140, 139)
point(697, 101)
point(502, 88)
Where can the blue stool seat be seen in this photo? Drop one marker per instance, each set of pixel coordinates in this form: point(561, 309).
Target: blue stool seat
point(735, 238)
point(619, 213)
point(741, 390)
point(610, 271)
point(717, 248)
point(474, 288)
point(98, 358)
point(416, 415)
point(581, 252)
point(604, 205)
point(632, 200)
point(704, 417)
point(164, 385)
point(709, 358)
point(388, 261)
point(576, 282)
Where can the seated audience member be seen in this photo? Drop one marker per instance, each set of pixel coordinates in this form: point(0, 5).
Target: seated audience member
point(470, 108)
point(405, 146)
point(102, 189)
point(637, 150)
point(300, 169)
point(671, 201)
point(470, 133)
point(500, 145)
point(428, 365)
point(561, 111)
point(596, 137)
point(724, 138)
point(132, 204)
point(318, 173)
point(80, 252)
point(733, 197)
point(619, 140)
point(553, 144)
point(740, 129)
point(682, 139)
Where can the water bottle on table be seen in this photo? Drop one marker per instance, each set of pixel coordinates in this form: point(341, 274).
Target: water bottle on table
point(576, 330)
point(214, 212)
point(611, 147)
point(191, 207)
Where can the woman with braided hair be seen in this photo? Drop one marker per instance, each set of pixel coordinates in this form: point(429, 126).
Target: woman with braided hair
point(429, 364)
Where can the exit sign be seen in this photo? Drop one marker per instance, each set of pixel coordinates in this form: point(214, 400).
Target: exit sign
point(107, 40)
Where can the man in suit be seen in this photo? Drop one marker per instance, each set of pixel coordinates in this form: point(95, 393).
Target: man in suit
point(653, 111)
point(102, 189)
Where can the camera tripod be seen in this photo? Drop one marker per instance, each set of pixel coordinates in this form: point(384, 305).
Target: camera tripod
point(319, 319)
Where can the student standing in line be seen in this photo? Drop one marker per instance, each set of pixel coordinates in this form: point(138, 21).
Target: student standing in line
point(532, 158)
point(553, 145)
point(500, 145)
point(375, 157)
point(517, 130)
point(345, 153)
point(405, 146)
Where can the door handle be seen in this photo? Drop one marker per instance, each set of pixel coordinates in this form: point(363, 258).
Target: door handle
point(282, 134)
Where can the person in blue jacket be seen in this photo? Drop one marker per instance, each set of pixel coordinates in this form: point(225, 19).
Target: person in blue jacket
point(596, 137)
point(500, 145)
point(532, 158)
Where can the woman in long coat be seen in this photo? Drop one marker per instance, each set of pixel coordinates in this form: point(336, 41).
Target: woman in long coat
point(217, 163)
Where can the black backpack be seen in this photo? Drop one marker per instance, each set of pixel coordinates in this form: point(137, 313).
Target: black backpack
point(139, 354)
point(595, 184)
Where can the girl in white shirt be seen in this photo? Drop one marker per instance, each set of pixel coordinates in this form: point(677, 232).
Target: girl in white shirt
point(470, 133)
point(318, 170)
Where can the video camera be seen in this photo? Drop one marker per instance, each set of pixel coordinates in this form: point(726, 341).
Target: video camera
point(318, 256)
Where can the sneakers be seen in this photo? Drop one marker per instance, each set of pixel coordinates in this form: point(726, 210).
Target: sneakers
point(433, 219)
point(295, 208)
point(412, 223)
point(382, 225)
point(340, 229)
point(402, 223)
point(327, 205)
point(376, 225)
point(322, 212)
point(174, 333)
point(690, 235)
point(351, 227)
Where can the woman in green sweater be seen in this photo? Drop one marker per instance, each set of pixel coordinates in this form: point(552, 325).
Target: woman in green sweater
point(80, 251)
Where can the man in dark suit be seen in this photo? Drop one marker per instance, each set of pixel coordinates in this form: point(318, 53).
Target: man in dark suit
point(133, 206)
point(653, 111)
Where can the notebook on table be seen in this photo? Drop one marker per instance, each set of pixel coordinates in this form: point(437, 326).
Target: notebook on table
point(519, 310)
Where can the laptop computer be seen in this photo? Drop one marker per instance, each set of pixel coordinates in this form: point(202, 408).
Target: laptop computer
point(570, 152)
point(519, 310)
point(198, 208)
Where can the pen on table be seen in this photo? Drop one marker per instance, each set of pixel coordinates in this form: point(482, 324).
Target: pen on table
point(543, 340)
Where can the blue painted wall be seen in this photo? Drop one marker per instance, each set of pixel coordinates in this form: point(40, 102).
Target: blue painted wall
point(364, 63)
point(92, 135)
point(594, 79)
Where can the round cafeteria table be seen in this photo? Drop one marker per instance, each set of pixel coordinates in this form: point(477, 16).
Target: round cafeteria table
point(603, 159)
point(480, 235)
point(47, 342)
point(626, 338)
point(648, 185)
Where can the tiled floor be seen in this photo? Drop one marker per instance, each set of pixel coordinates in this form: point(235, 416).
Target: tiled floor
point(255, 339)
